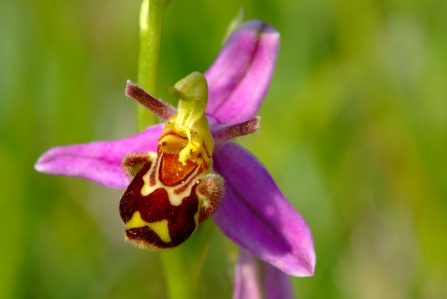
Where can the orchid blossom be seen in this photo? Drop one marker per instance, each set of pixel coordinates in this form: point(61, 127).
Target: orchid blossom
point(253, 212)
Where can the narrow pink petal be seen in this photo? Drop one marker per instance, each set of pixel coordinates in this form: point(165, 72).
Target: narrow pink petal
point(156, 106)
point(256, 279)
point(223, 134)
point(240, 76)
point(247, 277)
point(98, 161)
point(256, 215)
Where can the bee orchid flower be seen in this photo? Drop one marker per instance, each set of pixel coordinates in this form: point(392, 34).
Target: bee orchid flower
point(247, 206)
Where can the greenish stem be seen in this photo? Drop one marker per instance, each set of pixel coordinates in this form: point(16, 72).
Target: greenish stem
point(151, 21)
point(182, 265)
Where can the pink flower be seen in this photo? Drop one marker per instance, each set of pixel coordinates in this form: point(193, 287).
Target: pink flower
point(253, 213)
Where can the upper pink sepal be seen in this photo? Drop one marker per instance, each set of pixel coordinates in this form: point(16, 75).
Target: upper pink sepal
point(240, 76)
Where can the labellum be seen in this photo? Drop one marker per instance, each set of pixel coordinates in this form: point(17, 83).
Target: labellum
point(174, 190)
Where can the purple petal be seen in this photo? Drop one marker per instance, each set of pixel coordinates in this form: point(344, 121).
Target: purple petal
point(253, 276)
point(98, 161)
point(276, 283)
point(246, 278)
point(240, 76)
point(255, 214)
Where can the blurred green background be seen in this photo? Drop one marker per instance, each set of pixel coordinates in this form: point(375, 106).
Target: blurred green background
point(354, 131)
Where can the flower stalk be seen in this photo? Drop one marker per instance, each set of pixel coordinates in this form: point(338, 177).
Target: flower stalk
point(183, 264)
point(151, 21)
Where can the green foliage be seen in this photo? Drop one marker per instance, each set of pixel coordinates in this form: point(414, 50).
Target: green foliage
point(353, 131)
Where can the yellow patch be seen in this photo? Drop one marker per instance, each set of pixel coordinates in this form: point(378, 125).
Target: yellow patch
point(146, 189)
point(159, 227)
point(135, 221)
point(185, 154)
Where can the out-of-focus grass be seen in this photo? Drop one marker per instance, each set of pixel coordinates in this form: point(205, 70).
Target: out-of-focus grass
point(354, 131)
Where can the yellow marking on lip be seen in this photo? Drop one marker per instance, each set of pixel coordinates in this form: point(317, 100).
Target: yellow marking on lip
point(159, 227)
point(146, 189)
point(135, 221)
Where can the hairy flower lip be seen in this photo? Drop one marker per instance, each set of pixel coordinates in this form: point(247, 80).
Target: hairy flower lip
point(286, 241)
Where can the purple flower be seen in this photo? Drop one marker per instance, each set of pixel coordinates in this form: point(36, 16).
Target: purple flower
point(253, 212)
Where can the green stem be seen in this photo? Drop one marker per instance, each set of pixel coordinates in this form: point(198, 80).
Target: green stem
point(151, 20)
point(182, 265)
